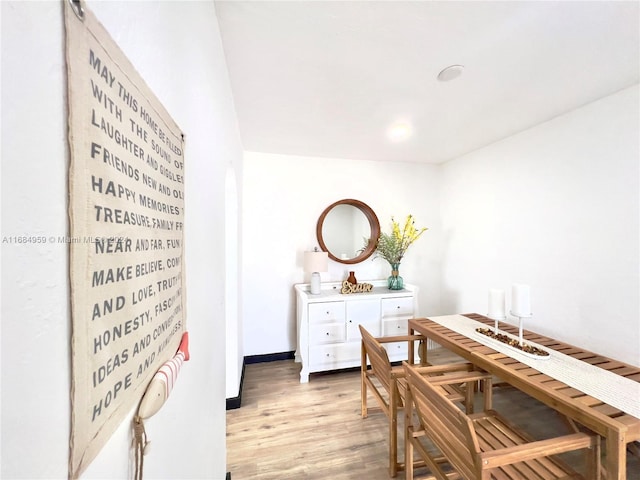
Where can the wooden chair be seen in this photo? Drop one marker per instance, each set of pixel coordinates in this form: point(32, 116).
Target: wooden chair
point(482, 445)
point(390, 387)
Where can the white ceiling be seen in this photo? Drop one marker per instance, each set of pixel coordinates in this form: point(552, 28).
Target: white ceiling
point(328, 78)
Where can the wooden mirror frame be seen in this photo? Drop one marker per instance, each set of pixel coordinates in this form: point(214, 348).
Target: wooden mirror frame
point(373, 223)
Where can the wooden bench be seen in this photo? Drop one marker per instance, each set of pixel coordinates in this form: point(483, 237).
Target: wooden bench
point(387, 384)
point(482, 445)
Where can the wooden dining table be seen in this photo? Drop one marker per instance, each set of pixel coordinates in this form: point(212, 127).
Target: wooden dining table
point(617, 428)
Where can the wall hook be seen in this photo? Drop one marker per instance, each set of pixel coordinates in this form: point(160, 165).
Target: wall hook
point(78, 9)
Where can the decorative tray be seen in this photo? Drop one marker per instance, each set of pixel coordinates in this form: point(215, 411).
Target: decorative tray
point(512, 342)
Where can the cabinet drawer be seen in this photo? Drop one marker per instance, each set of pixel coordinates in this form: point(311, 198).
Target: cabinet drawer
point(361, 311)
point(391, 328)
point(397, 351)
point(365, 312)
point(400, 351)
point(392, 307)
point(329, 312)
point(330, 356)
point(353, 331)
point(326, 333)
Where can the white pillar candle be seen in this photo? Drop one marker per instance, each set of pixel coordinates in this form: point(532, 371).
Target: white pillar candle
point(496, 304)
point(521, 300)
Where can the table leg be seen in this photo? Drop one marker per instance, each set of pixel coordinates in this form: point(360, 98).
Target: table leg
point(411, 355)
point(422, 349)
point(422, 353)
point(616, 456)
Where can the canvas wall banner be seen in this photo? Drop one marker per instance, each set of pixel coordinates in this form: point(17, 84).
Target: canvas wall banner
point(126, 208)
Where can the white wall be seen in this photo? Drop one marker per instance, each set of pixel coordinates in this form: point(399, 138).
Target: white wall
point(35, 336)
point(176, 48)
point(555, 207)
point(233, 285)
point(283, 198)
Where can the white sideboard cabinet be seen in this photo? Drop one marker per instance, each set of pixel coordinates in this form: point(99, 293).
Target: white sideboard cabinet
point(328, 333)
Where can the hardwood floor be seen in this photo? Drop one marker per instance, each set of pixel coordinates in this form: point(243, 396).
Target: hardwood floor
point(286, 430)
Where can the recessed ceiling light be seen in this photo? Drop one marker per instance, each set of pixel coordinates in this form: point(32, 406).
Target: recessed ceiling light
point(451, 72)
point(399, 131)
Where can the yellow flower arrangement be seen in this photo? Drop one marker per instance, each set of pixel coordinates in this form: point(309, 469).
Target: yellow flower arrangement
point(392, 247)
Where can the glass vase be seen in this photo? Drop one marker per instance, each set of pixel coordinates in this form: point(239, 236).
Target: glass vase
point(395, 281)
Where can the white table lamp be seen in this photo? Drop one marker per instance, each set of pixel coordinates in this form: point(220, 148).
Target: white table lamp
point(316, 262)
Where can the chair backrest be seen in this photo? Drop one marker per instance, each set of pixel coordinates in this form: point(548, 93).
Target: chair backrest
point(378, 357)
point(445, 424)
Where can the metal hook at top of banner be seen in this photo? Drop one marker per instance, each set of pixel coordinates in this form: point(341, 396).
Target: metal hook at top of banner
point(78, 9)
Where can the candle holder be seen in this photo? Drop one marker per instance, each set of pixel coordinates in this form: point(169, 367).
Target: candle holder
point(496, 319)
point(520, 317)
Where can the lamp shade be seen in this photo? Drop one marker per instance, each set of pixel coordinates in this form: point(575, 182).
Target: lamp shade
point(316, 262)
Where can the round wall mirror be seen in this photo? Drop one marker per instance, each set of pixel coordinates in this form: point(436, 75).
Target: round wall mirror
point(348, 231)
